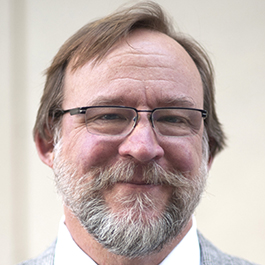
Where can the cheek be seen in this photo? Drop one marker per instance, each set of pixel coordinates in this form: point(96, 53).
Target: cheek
point(185, 155)
point(90, 151)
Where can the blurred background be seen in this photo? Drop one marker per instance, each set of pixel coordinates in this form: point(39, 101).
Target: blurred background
point(232, 213)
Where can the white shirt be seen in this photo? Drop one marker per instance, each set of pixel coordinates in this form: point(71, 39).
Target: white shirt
point(67, 252)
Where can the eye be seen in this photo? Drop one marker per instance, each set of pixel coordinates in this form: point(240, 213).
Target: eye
point(107, 117)
point(172, 119)
point(112, 116)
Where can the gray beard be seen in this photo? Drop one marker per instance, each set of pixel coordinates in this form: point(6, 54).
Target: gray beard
point(130, 232)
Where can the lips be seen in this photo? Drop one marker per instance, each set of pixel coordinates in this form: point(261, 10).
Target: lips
point(136, 181)
point(139, 184)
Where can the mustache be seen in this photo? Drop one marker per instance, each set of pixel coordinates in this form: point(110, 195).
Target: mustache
point(99, 178)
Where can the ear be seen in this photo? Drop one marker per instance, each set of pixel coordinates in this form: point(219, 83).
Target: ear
point(45, 149)
point(210, 162)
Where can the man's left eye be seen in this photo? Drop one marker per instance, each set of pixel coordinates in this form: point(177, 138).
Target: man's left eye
point(172, 119)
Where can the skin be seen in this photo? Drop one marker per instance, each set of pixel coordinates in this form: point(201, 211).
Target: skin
point(146, 70)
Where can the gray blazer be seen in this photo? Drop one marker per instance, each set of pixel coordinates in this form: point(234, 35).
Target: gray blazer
point(210, 255)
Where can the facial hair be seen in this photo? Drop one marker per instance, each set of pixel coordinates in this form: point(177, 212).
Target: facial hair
point(129, 232)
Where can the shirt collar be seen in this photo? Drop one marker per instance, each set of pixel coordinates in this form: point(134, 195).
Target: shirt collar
point(67, 251)
point(187, 251)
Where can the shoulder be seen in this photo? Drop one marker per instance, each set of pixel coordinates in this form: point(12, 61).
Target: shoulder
point(213, 256)
point(46, 258)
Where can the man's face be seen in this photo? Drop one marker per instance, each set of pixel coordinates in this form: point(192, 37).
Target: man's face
point(146, 71)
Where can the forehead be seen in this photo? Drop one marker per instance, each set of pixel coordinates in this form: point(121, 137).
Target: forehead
point(145, 69)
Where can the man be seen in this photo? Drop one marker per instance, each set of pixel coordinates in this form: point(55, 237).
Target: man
point(128, 124)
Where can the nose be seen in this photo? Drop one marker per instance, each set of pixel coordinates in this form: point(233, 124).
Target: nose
point(142, 143)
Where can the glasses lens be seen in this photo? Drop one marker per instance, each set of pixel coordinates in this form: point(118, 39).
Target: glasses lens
point(110, 120)
point(177, 122)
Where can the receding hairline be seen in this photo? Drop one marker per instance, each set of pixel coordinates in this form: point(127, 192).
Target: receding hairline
point(140, 35)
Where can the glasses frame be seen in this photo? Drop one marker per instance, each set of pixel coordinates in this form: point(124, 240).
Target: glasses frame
point(82, 110)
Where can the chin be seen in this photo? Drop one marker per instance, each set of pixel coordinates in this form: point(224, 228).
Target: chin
point(137, 206)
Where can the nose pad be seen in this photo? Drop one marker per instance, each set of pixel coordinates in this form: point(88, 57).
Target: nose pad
point(142, 143)
point(137, 118)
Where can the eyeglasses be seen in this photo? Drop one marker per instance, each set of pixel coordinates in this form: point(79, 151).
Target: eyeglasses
point(120, 120)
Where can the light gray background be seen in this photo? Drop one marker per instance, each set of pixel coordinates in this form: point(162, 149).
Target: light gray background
point(232, 213)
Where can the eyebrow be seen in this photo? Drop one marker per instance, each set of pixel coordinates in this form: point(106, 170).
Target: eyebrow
point(182, 101)
point(103, 100)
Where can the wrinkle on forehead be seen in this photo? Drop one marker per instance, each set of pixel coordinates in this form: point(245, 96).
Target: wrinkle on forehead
point(146, 64)
point(144, 48)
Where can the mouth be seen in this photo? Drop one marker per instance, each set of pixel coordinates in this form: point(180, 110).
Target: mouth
point(136, 185)
point(135, 182)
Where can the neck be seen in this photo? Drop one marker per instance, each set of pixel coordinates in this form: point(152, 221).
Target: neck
point(103, 257)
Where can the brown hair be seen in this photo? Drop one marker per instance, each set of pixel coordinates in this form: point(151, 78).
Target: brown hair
point(95, 39)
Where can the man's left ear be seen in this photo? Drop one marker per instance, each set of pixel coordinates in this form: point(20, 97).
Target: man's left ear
point(210, 162)
point(45, 149)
